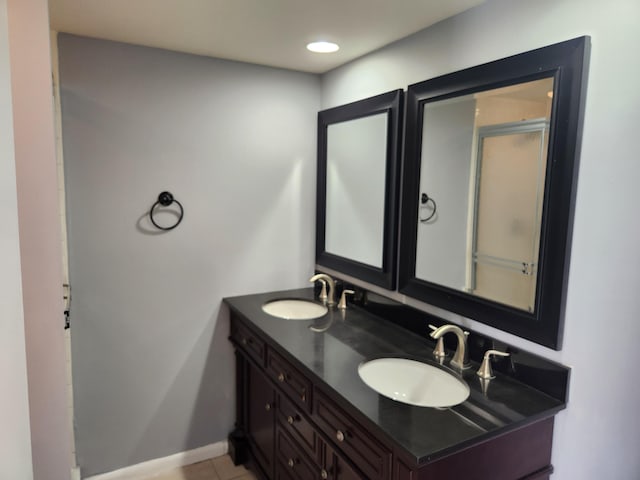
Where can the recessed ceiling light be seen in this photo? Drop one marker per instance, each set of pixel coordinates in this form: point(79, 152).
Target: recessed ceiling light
point(323, 47)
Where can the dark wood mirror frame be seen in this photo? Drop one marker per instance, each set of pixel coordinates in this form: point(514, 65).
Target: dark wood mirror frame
point(392, 104)
point(567, 63)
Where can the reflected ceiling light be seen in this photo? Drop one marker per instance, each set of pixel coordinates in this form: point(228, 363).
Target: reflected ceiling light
point(323, 47)
point(550, 94)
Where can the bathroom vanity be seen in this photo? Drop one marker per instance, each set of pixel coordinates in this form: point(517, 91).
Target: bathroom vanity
point(303, 412)
point(489, 172)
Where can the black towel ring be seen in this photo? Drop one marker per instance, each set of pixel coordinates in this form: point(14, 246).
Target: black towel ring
point(165, 199)
point(425, 200)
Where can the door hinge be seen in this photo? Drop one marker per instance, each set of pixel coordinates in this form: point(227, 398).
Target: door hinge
point(66, 296)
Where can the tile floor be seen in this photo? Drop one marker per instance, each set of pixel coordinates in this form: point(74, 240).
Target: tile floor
point(221, 468)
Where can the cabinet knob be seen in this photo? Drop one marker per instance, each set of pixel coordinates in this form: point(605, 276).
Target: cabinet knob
point(340, 436)
point(290, 420)
point(244, 341)
point(281, 377)
point(291, 462)
point(267, 407)
point(323, 474)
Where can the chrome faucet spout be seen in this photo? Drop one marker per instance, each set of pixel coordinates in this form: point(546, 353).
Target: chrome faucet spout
point(460, 358)
point(323, 291)
point(331, 295)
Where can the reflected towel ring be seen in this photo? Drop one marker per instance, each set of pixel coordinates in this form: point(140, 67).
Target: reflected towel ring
point(165, 199)
point(425, 200)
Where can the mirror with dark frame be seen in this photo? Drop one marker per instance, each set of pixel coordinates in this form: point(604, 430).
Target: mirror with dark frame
point(491, 161)
point(357, 189)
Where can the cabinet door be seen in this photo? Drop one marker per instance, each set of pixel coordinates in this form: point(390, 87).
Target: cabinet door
point(343, 471)
point(337, 467)
point(293, 464)
point(354, 441)
point(261, 418)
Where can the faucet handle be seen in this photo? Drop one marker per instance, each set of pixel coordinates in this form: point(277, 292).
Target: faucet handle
point(485, 371)
point(438, 352)
point(342, 304)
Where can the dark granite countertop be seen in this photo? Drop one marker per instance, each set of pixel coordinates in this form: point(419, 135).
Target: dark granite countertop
point(332, 357)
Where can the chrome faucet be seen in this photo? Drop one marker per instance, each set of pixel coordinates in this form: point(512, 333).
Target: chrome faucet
point(460, 358)
point(438, 352)
point(331, 296)
point(323, 291)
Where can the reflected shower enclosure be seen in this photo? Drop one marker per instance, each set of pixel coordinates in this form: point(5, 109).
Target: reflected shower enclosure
point(484, 163)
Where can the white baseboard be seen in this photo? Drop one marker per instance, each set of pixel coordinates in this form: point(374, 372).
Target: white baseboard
point(153, 467)
point(75, 473)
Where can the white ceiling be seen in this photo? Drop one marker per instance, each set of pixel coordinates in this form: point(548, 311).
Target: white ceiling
point(267, 32)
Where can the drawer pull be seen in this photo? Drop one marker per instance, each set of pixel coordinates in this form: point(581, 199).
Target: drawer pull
point(267, 407)
point(323, 474)
point(281, 377)
point(291, 462)
point(290, 420)
point(340, 436)
point(244, 341)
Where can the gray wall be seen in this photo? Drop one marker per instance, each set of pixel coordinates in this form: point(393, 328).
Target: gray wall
point(598, 434)
point(235, 143)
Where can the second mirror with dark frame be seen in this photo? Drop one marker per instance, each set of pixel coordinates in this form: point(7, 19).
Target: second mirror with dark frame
point(491, 156)
point(357, 188)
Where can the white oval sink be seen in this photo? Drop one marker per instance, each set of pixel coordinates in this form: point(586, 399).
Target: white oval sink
point(412, 382)
point(291, 309)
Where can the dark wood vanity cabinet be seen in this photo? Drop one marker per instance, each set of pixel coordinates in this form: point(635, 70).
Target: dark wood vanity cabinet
point(289, 380)
point(260, 417)
point(290, 428)
point(373, 458)
point(282, 434)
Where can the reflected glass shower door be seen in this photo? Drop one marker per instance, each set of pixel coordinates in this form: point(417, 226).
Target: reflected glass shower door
point(511, 168)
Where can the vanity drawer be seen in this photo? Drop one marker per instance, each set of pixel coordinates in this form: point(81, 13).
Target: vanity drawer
point(290, 380)
point(297, 425)
point(371, 457)
point(248, 341)
point(292, 463)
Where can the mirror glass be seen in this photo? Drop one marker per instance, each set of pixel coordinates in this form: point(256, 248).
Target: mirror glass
point(489, 181)
point(358, 175)
point(355, 205)
point(483, 167)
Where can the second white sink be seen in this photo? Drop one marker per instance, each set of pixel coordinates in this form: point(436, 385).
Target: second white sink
point(293, 309)
point(412, 382)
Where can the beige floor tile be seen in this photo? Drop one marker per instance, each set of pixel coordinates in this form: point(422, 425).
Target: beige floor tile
point(247, 476)
point(227, 470)
point(197, 471)
point(171, 475)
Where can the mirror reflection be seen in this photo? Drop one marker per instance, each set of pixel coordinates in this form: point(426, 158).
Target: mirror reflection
point(355, 207)
point(482, 182)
